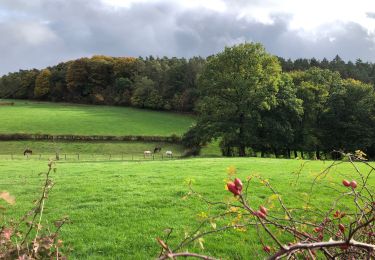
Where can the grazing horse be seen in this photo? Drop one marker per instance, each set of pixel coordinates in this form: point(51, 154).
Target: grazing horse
point(146, 153)
point(27, 151)
point(169, 154)
point(157, 149)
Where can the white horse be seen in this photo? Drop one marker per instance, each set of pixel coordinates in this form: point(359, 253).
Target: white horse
point(146, 153)
point(169, 153)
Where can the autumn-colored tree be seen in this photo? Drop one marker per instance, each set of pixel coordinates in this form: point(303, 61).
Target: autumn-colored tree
point(77, 78)
point(42, 84)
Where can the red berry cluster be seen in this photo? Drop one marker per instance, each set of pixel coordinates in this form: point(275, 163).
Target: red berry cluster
point(262, 212)
point(352, 184)
point(235, 187)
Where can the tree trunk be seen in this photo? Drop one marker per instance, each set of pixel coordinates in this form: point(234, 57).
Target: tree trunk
point(262, 154)
point(295, 154)
point(242, 150)
point(275, 152)
point(288, 153)
point(241, 137)
point(303, 157)
point(317, 153)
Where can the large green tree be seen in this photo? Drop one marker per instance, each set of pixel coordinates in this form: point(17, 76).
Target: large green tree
point(313, 87)
point(349, 120)
point(236, 86)
point(277, 129)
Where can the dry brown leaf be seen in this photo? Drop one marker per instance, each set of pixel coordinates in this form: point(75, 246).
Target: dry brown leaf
point(7, 197)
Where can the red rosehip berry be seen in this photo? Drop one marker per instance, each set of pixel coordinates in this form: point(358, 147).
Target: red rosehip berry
point(238, 184)
point(263, 210)
point(342, 228)
point(317, 229)
point(346, 183)
point(353, 184)
point(260, 214)
point(232, 188)
point(267, 249)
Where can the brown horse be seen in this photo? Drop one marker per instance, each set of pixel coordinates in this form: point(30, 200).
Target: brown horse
point(157, 149)
point(27, 152)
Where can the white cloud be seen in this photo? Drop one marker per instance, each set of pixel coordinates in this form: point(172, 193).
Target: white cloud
point(36, 33)
point(44, 32)
point(216, 5)
point(307, 15)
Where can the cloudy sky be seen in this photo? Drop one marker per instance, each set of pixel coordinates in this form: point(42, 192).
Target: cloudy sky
point(38, 33)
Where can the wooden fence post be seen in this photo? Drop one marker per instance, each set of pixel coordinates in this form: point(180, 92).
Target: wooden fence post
point(78, 156)
point(65, 157)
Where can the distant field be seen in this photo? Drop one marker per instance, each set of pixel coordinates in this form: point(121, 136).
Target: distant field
point(119, 208)
point(86, 151)
point(59, 118)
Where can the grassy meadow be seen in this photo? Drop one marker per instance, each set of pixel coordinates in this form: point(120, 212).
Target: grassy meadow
point(60, 118)
point(87, 150)
point(118, 208)
point(119, 202)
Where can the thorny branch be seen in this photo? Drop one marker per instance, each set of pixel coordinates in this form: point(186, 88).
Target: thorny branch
point(329, 235)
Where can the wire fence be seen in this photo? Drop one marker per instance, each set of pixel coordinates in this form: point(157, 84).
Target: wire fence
point(90, 157)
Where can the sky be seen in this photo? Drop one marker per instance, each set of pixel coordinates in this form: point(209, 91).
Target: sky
point(40, 33)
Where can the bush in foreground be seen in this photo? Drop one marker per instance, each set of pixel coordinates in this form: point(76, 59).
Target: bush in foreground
point(27, 238)
point(291, 232)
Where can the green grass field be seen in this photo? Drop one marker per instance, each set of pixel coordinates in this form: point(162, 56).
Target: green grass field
point(119, 202)
point(118, 208)
point(86, 150)
point(59, 118)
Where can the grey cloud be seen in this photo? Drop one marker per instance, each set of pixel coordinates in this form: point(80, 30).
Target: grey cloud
point(41, 32)
point(370, 15)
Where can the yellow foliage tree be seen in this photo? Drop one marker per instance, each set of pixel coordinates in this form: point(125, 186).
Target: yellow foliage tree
point(42, 84)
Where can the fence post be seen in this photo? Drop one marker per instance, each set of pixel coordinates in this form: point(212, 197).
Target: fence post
point(153, 157)
point(11, 156)
point(40, 156)
point(65, 157)
point(122, 156)
point(78, 156)
point(162, 157)
point(132, 157)
point(110, 156)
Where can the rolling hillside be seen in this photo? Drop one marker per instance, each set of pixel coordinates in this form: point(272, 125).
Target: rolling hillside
point(60, 118)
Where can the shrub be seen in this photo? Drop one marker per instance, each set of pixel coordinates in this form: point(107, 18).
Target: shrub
point(35, 241)
point(291, 232)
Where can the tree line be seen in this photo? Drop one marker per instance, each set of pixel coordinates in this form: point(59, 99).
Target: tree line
point(251, 101)
point(253, 107)
point(153, 83)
